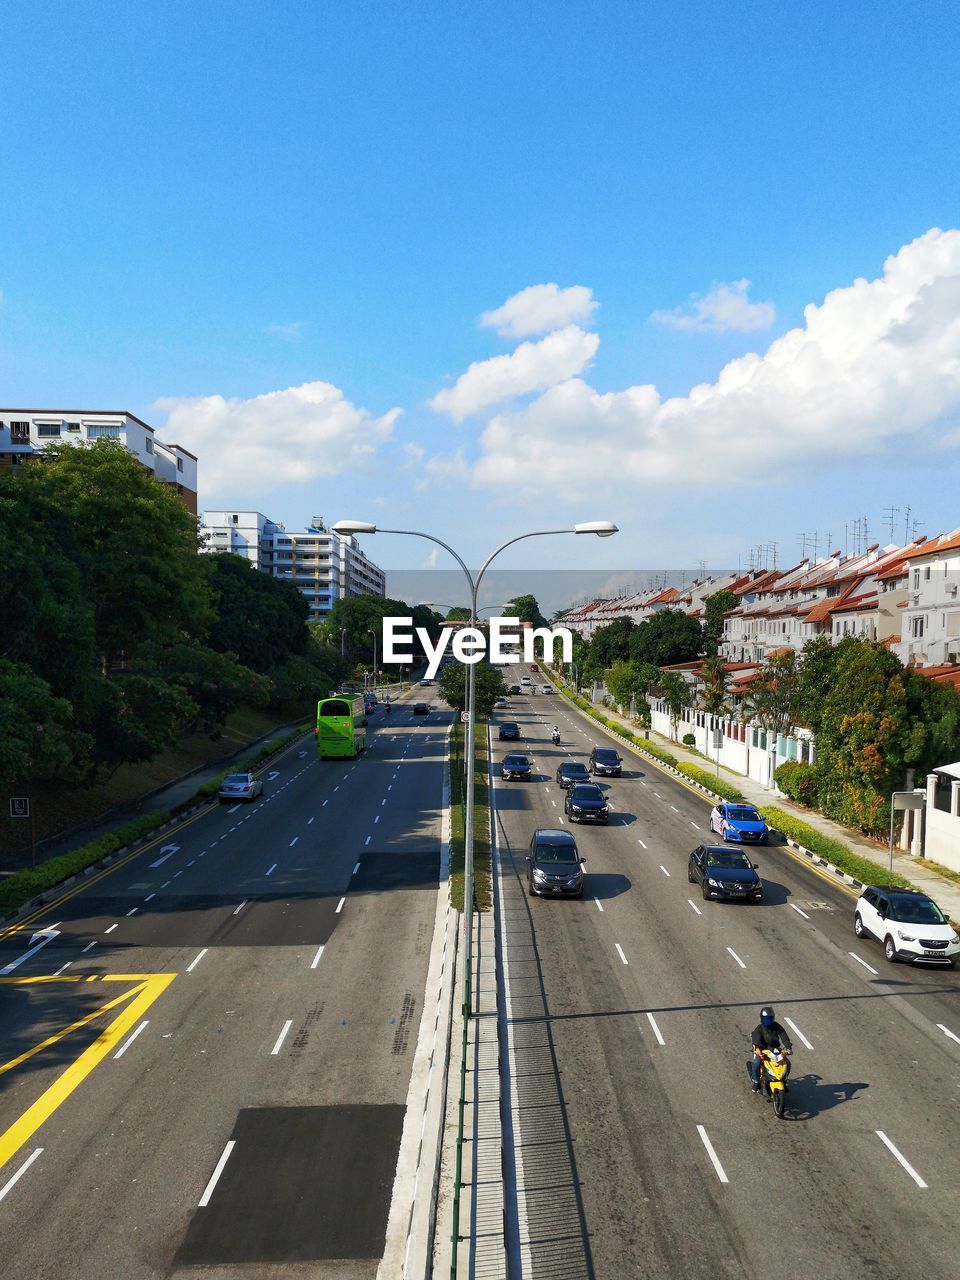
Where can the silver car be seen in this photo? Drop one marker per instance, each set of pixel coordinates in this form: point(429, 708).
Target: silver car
point(239, 786)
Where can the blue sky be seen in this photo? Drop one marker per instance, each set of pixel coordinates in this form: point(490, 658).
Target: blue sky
point(209, 208)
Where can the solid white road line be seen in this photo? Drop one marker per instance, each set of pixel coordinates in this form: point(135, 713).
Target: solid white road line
point(664, 869)
point(215, 1176)
point(281, 1037)
point(863, 962)
point(271, 871)
point(798, 911)
point(797, 1032)
point(736, 957)
point(906, 1164)
point(711, 1153)
point(599, 903)
point(947, 1032)
point(12, 1182)
point(656, 1030)
point(620, 953)
point(695, 907)
point(316, 959)
point(196, 960)
point(240, 908)
point(340, 906)
point(130, 1039)
point(111, 929)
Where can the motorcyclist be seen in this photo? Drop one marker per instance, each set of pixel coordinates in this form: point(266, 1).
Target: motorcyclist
point(767, 1034)
point(555, 734)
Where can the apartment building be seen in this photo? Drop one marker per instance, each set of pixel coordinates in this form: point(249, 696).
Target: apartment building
point(25, 433)
point(929, 580)
point(322, 565)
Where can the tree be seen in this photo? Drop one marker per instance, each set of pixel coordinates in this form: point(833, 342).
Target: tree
point(489, 687)
point(621, 681)
point(259, 619)
point(38, 739)
point(676, 694)
point(714, 608)
point(667, 638)
point(713, 693)
point(526, 609)
point(611, 643)
point(775, 694)
point(459, 613)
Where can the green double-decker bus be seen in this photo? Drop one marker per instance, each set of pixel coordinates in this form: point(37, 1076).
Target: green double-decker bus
point(341, 726)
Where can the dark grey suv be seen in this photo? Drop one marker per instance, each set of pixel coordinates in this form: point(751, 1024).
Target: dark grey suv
point(606, 760)
point(554, 865)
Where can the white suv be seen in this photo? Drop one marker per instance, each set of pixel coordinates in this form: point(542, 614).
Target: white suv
point(909, 924)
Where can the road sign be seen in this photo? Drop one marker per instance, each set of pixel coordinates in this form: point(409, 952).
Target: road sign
point(718, 738)
point(464, 717)
point(19, 807)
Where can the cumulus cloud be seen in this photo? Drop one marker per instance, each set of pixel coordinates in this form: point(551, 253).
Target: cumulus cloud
point(874, 368)
point(297, 434)
point(539, 308)
point(531, 367)
point(726, 308)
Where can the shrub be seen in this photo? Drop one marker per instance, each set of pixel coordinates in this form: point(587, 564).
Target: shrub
point(863, 869)
point(660, 754)
point(689, 740)
point(723, 788)
point(798, 781)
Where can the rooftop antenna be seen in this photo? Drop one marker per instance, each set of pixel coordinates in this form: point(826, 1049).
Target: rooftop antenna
point(890, 518)
point(907, 512)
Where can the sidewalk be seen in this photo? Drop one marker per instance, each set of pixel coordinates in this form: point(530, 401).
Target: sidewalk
point(945, 892)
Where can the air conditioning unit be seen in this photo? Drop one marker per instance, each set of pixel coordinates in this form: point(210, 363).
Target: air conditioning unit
point(951, 588)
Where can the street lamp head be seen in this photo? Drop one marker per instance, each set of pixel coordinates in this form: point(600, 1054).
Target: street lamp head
point(354, 526)
point(602, 528)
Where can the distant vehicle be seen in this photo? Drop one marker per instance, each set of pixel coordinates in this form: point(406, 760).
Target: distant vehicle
point(525, 680)
point(534, 667)
point(570, 772)
point(515, 766)
point(500, 704)
point(341, 727)
point(909, 924)
point(546, 688)
point(239, 786)
point(421, 708)
point(586, 803)
point(724, 873)
point(425, 682)
point(509, 729)
point(554, 865)
point(606, 760)
point(514, 688)
point(739, 822)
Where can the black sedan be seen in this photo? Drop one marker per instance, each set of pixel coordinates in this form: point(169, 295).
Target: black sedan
point(571, 772)
point(421, 708)
point(724, 873)
point(510, 729)
point(586, 803)
point(515, 766)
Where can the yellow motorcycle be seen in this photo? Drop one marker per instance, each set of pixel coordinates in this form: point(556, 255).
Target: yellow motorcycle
point(774, 1068)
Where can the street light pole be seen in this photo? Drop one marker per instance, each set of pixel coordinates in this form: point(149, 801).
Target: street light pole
point(374, 634)
point(343, 633)
point(603, 529)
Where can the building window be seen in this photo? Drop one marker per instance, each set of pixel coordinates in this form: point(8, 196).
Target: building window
point(179, 464)
point(235, 519)
point(148, 445)
point(916, 579)
point(73, 426)
point(103, 433)
point(926, 573)
point(49, 431)
point(916, 629)
point(20, 431)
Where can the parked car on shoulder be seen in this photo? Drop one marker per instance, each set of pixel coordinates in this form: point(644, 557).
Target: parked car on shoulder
point(515, 766)
point(239, 786)
point(606, 760)
point(724, 874)
point(586, 803)
point(909, 924)
point(570, 772)
point(554, 865)
point(738, 822)
point(510, 730)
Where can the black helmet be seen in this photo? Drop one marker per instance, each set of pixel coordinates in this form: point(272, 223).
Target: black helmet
point(767, 1016)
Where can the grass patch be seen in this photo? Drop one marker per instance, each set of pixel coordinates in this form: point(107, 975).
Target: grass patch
point(725, 789)
point(854, 864)
point(481, 818)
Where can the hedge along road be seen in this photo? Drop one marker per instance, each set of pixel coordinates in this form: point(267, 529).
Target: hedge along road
point(650, 995)
point(284, 948)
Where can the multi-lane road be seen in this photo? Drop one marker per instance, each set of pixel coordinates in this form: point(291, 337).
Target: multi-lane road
point(635, 1145)
point(205, 1052)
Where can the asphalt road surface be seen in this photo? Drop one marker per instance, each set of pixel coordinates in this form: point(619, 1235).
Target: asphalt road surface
point(638, 1147)
point(204, 1067)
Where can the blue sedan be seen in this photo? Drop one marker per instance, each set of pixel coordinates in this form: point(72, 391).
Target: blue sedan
point(739, 822)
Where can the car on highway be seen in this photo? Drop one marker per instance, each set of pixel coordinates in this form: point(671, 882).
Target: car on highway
point(546, 688)
point(606, 760)
point(909, 924)
point(425, 682)
point(740, 823)
point(421, 708)
point(500, 704)
point(525, 680)
point(239, 786)
point(724, 873)
point(586, 803)
point(554, 865)
point(570, 772)
point(514, 688)
point(515, 765)
point(510, 730)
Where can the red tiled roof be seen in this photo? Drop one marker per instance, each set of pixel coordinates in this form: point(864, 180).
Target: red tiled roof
point(932, 546)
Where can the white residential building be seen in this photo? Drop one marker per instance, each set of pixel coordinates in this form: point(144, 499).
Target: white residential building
point(26, 432)
point(321, 564)
point(930, 633)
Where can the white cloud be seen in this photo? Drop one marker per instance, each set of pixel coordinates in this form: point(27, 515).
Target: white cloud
point(290, 332)
point(724, 309)
point(531, 367)
point(295, 435)
point(539, 308)
point(874, 369)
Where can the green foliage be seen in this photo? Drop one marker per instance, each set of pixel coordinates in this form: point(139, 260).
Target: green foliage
point(713, 692)
point(459, 613)
point(660, 753)
point(774, 700)
point(24, 885)
point(611, 643)
point(676, 694)
point(667, 638)
point(489, 686)
point(622, 682)
point(714, 607)
point(689, 740)
point(260, 619)
point(798, 781)
point(526, 609)
point(719, 785)
point(37, 734)
point(358, 616)
point(863, 869)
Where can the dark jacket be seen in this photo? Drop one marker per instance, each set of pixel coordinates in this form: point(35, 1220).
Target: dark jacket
point(771, 1037)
